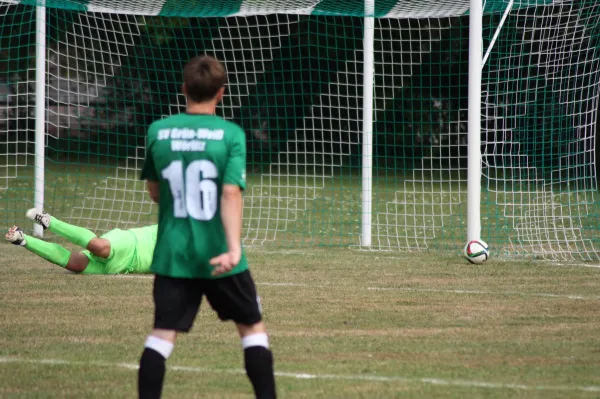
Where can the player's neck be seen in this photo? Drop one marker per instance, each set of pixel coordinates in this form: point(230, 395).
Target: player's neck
point(208, 108)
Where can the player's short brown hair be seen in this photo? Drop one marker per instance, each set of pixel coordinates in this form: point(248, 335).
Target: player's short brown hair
point(203, 76)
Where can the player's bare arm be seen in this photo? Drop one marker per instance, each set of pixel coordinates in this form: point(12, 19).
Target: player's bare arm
point(153, 190)
point(231, 215)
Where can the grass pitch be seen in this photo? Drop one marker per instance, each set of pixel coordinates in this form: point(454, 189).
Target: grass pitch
point(343, 324)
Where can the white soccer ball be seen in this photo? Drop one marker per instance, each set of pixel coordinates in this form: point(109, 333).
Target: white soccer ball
point(476, 251)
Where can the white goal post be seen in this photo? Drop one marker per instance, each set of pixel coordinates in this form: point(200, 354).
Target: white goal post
point(474, 135)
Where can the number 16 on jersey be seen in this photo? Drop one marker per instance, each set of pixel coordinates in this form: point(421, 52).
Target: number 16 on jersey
point(194, 194)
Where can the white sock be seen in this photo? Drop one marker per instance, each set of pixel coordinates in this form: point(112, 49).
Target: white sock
point(160, 345)
point(259, 339)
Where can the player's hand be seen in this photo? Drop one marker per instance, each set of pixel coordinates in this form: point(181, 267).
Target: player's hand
point(225, 262)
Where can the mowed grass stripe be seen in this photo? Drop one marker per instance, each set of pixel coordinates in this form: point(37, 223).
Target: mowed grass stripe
point(410, 289)
point(303, 376)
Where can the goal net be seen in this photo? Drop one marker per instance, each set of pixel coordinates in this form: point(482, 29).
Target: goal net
point(296, 87)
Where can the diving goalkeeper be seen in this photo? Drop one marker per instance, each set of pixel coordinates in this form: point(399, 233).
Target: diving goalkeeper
point(116, 252)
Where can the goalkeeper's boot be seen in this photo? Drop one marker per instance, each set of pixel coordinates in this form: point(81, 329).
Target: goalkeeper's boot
point(40, 217)
point(16, 236)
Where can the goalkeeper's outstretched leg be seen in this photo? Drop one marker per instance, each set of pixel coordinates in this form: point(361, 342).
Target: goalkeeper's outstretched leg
point(54, 253)
point(79, 236)
point(117, 251)
point(73, 261)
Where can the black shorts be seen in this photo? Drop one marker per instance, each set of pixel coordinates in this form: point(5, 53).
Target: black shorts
point(177, 300)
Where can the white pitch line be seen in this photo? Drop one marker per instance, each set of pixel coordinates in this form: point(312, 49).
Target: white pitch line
point(259, 251)
point(577, 265)
point(146, 277)
point(308, 376)
point(407, 289)
point(477, 292)
point(285, 285)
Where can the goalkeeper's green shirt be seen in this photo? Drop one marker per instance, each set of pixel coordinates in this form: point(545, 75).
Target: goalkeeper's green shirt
point(192, 156)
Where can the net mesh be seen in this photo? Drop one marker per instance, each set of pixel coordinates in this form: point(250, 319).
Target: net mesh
point(541, 103)
point(296, 76)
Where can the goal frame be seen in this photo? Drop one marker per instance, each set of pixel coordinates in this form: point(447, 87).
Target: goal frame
point(476, 62)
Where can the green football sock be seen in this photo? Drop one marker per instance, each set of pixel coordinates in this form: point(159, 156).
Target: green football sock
point(77, 235)
point(51, 252)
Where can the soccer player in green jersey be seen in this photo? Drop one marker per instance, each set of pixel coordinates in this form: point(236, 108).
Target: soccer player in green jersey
point(195, 169)
point(116, 252)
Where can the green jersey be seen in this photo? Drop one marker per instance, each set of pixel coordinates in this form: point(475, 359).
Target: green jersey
point(192, 156)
